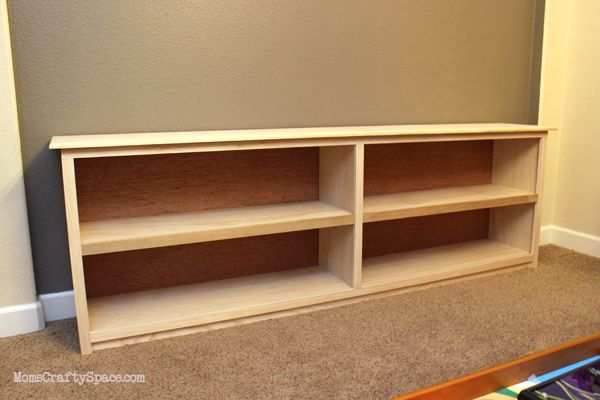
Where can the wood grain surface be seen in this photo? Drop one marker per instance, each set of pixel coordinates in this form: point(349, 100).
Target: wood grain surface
point(124, 187)
point(399, 235)
point(407, 167)
point(507, 374)
point(131, 271)
point(265, 135)
point(438, 201)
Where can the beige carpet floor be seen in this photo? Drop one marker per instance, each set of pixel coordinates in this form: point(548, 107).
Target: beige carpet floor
point(370, 350)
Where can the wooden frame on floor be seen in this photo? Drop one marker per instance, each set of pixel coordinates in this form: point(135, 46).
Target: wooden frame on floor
point(507, 374)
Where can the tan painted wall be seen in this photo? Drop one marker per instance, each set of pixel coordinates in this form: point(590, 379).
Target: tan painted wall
point(556, 28)
point(137, 65)
point(569, 98)
point(577, 204)
point(16, 269)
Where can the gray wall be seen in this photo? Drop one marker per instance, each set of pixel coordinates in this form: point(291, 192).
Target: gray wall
point(112, 66)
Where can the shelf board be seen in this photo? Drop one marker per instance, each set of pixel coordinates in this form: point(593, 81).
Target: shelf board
point(439, 201)
point(224, 136)
point(158, 310)
point(174, 229)
point(183, 306)
point(439, 263)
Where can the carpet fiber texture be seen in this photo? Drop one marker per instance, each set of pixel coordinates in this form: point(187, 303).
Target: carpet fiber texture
point(369, 350)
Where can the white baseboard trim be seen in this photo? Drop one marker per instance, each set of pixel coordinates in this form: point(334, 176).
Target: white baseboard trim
point(21, 318)
point(546, 234)
point(59, 305)
point(570, 239)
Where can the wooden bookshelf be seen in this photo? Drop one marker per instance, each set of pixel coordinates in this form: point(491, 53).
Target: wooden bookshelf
point(184, 230)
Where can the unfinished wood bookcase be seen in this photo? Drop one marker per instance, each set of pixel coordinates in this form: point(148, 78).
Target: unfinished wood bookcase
point(178, 232)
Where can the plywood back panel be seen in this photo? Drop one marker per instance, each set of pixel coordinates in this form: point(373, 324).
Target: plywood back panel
point(406, 167)
point(130, 271)
point(394, 236)
point(120, 187)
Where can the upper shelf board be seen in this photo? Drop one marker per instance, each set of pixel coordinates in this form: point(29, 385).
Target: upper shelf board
point(436, 201)
point(174, 229)
point(223, 136)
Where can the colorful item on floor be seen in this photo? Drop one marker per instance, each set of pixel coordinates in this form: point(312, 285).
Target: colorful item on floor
point(581, 385)
point(509, 392)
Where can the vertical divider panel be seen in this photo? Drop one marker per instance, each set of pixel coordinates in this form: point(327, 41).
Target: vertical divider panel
point(537, 217)
point(516, 164)
point(71, 209)
point(340, 184)
point(359, 193)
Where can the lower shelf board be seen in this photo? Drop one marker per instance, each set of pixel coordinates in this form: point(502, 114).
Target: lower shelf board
point(439, 263)
point(139, 313)
point(157, 310)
